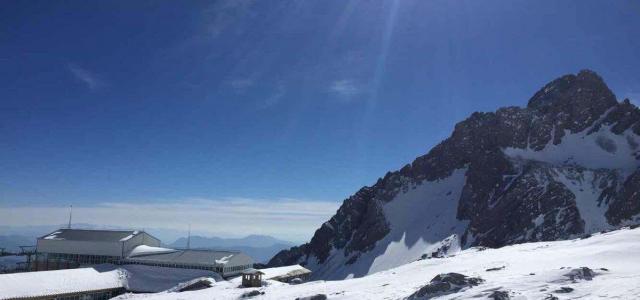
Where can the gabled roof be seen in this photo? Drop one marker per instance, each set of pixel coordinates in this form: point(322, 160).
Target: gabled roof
point(252, 271)
point(91, 235)
point(189, 257)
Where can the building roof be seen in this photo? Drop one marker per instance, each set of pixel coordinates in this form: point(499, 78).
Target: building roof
point(190, 257)
point(134, 278)
point(45, 283)
point(283, 272)
point(252, 271)
point(91, 235)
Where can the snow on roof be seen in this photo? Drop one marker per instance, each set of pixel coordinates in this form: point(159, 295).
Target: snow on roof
point(36, 284)
point(152, 279)
point(224, 259)
point(129, 236)
point(252, 271)
point(146, 250)
point(293, 270)
point(135, 278)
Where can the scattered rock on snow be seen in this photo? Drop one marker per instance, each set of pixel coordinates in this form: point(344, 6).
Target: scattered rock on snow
point(551, 297)
point(495, 269)
point(295, 281)
point(444, 284)
point(499, 295)
point(252, 294)
point(314, 297)
point(564, 290)
point(583, 273)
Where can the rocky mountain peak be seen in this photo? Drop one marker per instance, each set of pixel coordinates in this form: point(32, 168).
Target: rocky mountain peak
point(563, 166)
point(583, 89)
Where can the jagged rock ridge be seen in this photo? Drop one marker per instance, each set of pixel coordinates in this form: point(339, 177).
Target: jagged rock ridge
point(563, 166)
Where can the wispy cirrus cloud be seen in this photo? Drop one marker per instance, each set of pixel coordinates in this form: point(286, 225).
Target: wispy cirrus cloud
point(275, 97)
point(241, 84)
point(292, 219)
point(85, 76)
point(345, 88)
point(224, 15)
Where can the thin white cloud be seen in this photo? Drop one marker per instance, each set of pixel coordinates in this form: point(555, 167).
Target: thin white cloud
point(85, 76)
point(286, 218)
point(275, 98)
point(225, 15)
point(241, 84)
point(345, 88)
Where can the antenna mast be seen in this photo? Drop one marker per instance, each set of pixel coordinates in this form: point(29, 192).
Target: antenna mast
point(70, 215)
point(189, 238)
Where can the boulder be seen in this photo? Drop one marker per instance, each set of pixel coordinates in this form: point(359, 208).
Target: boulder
point(444, 284)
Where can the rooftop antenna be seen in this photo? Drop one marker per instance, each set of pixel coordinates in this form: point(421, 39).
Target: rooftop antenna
point(189, 238)
point(70, 215)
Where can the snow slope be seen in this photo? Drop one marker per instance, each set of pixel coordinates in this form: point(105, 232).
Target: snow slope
point(531, 271)
point(600, 149)
point(420, 219)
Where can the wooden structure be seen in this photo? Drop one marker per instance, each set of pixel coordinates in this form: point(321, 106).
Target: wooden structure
point(252, 278)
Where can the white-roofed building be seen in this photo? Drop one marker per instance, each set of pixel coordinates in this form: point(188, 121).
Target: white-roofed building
point(69, 248)
point(225, 263)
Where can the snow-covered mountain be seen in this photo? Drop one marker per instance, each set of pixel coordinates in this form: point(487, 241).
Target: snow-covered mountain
point(604, 266)
point(564, 166)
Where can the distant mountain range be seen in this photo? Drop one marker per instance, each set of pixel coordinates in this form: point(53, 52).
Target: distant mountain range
point(260, 247)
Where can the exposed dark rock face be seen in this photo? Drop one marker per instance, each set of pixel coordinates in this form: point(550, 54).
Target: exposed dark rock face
point(508, 199)
point(627, 204)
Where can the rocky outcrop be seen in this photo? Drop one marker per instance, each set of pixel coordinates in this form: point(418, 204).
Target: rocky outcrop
point(444, 284)
point(563, 166)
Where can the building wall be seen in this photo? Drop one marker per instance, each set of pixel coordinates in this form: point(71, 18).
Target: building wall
point(80, 247)
point(140, 239)
point(237, 264)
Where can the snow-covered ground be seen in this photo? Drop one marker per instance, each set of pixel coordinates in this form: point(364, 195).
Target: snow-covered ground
point(531, 271)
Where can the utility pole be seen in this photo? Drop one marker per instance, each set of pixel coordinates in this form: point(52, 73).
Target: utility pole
point(189, 238)
point(70, 215)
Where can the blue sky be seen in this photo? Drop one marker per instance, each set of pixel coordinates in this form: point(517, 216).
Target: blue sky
point(144, 104)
